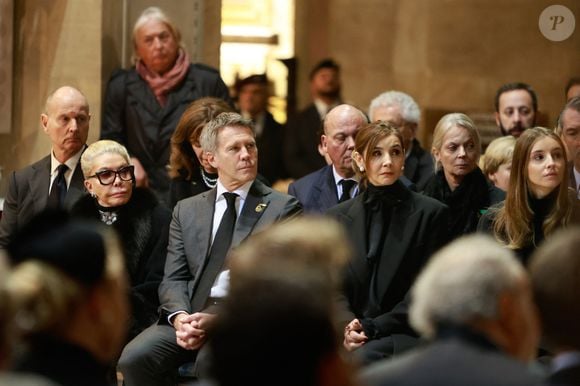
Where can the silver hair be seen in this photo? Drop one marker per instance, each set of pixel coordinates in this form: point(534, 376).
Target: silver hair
point(209, 135)
point(463, 282)
point(410, 111)
point(153, 13)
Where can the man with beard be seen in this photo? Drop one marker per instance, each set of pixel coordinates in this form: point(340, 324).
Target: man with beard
point(302, 134)
point(516, 106)
point(55, 181)
point(333, 183)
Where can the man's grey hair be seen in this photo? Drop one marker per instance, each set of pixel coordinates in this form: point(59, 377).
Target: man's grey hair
point(462, 283)
point(209, 135)
point(409, 109)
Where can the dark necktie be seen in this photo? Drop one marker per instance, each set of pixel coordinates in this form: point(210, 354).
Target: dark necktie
point(347, 186)
point(217, 254)
point(58, 189)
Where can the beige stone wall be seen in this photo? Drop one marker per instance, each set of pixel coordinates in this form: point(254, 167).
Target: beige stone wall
point(448, 54)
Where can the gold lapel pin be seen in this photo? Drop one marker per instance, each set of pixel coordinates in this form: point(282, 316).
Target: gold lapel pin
point(260, 208)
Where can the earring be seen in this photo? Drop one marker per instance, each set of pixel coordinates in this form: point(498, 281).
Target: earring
point(403, 167)
point(93, 195)
point(361, 168)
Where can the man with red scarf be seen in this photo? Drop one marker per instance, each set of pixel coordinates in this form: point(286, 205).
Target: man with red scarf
point(143, 104)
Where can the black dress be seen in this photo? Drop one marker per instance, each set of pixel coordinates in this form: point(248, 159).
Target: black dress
point(143, 226)
point(467, 202)
point(393, 232)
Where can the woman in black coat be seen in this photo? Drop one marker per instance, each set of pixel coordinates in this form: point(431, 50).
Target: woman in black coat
point(140, 221)
point(458, 181)
point(393, 232)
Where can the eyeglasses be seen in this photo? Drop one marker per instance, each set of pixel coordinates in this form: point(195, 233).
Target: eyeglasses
point(107, 177)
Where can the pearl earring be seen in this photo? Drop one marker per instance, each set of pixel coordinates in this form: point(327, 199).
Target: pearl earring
point(362, 169)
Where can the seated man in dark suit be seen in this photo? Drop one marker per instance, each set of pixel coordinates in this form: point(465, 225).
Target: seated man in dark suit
point(253, 104)
point(202, 230)
point(475, 302)
point(57, 179)
point(554, 271)
point(568, 128)
point(302, 139)
point(333, 183)
point(401, 110)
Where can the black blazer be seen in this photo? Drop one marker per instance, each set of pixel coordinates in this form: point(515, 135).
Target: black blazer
point(28, 195)
point(301, 154)
point(133, 117)
point(416, 230)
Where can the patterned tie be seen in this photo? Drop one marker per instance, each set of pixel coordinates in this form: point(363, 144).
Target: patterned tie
point(217, 255)
point(347, 186)
point(58, 189)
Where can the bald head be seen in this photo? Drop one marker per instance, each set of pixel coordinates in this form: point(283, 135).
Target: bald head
point(62, 94)
point(341, 125)
point(66, 121)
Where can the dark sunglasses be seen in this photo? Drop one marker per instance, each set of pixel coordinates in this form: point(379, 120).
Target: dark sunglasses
point(107, 177)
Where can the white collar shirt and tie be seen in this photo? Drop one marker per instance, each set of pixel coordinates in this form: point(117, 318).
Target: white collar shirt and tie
point(339, 187)
point(71, 163)
point(221, 283)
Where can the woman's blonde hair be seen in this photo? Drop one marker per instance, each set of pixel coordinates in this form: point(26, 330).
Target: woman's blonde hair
point(513, 223)
point(96, 149)
point(447, 123)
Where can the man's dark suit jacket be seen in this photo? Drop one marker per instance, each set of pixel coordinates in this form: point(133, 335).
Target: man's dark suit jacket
point(270, 145)
point(454, 361)
point(190, 238)
point(417, 228)
point(301, 143)
point(419, 166)
point(133, 117)
point(316, 191)
point(28, 195)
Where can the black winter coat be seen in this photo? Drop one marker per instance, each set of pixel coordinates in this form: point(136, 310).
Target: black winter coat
point(143, 228)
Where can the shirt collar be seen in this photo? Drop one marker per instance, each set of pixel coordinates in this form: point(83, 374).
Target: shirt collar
point(71, 162)
point(338, 177)
point(242, 191)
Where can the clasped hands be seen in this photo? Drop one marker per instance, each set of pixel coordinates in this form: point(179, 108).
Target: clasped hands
point(191, 329)
point(354, 336)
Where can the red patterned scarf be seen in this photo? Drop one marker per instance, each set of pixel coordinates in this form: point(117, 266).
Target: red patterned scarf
point(161, 85)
